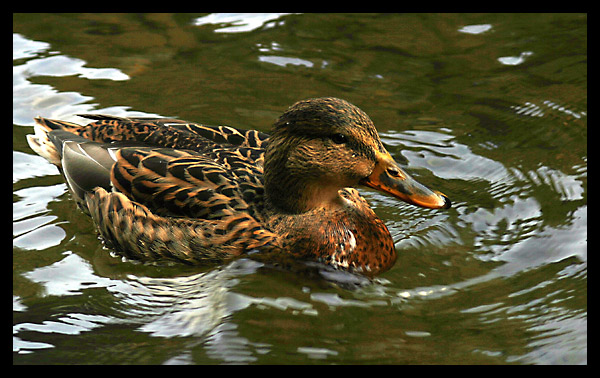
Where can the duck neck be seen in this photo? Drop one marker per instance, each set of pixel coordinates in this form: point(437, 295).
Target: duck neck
point(291, 189)
point(297, 197)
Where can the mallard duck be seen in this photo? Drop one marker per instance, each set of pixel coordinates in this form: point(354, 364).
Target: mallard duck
point(166, 189)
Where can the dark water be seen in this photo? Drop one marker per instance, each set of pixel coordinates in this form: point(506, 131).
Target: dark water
point(489, 109)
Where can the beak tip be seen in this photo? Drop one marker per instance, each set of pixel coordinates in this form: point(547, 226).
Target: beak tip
point(447, 202)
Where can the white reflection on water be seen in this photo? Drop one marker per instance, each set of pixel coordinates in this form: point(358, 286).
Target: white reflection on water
point(515, 60)
point(31, 100)
point(283, 61)
point(239, 22)
point(186, 306)
point(27, 166)
point(475, 29)
point(26, 48)
point(534, 110)
point(198, 305)
point(62, 65)
point(32, 227)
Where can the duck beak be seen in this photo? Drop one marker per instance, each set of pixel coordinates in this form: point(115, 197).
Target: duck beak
point(388, 177)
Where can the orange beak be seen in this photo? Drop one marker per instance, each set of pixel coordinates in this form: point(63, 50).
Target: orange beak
point(389, 178)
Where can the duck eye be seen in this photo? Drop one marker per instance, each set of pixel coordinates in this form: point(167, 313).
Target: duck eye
point(338, 138)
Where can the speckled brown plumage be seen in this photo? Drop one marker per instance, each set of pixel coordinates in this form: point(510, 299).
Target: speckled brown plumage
point(169, 189)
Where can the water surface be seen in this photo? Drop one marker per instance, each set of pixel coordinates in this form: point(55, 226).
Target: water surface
point(491, 109)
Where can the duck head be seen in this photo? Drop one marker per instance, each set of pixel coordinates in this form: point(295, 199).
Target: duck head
point(322, 145)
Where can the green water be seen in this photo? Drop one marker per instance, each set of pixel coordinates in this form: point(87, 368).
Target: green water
point(490, 109)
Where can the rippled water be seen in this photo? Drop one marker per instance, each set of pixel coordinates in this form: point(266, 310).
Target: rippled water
point(491, 109)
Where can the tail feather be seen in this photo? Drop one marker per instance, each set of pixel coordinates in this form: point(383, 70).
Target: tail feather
point(45, 140)
point(43, 146)
point(84, 164)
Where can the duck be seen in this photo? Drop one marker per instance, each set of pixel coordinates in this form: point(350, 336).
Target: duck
point(163, 189)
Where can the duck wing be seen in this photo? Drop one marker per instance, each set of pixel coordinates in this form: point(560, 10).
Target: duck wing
point(170, 165)
point(171, 182)
point(185, 183)
point(182, 205)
